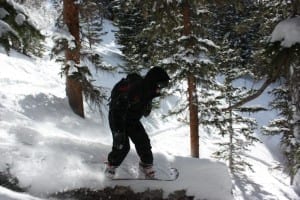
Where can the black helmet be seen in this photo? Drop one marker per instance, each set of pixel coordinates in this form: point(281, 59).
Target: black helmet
point(157, 76)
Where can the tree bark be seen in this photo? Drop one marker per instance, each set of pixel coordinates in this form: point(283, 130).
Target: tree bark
point(231, 132)
point(192, 90)
point(194, 121)
point(73, 86)
point(295, 96)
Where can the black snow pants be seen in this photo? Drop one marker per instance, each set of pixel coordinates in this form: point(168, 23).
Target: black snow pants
point(135, 131)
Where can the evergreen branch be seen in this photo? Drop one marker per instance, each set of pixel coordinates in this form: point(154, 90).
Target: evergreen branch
point(253, 96)
point(280, 61)
point(251, 109)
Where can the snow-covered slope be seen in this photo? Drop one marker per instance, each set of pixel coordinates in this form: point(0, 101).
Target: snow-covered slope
point(6, 194)
point(50, 149)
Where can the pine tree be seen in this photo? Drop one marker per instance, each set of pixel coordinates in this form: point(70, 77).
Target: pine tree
point(90, 22)
point(16, 30)
point(178, 43)
point(251, 28)
point(92, 14)
point(131, 21)
point(281, 125)
point(234, 29)
point(285, 65)
point(282, 63)
point(72, 57)
point(237, 128)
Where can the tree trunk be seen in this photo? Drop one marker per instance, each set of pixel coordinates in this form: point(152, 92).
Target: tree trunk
point(295, 95)
point(194, 121)
point(230, 157)
point(73, 86)
point(192, 90)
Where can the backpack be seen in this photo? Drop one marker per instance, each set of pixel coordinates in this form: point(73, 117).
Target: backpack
point(121, 89)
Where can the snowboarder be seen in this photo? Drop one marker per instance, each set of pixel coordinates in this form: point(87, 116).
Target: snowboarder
point(131, 98)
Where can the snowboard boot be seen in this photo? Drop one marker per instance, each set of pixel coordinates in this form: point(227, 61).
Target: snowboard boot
point(110, 170)
point(147, 170)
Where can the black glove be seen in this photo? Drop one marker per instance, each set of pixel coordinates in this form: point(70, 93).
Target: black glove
point(147, 109)
point(119, 139)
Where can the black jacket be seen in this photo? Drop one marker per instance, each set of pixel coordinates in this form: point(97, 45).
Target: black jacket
point(139, 99)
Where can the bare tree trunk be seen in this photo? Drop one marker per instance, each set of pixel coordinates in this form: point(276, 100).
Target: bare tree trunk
point(192, 90)
point(73, 87)
point(230, 157)
point(295, 95)
point(194, 121)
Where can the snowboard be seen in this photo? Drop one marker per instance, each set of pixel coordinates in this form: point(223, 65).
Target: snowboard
point(128, 172)
point(171, 175)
